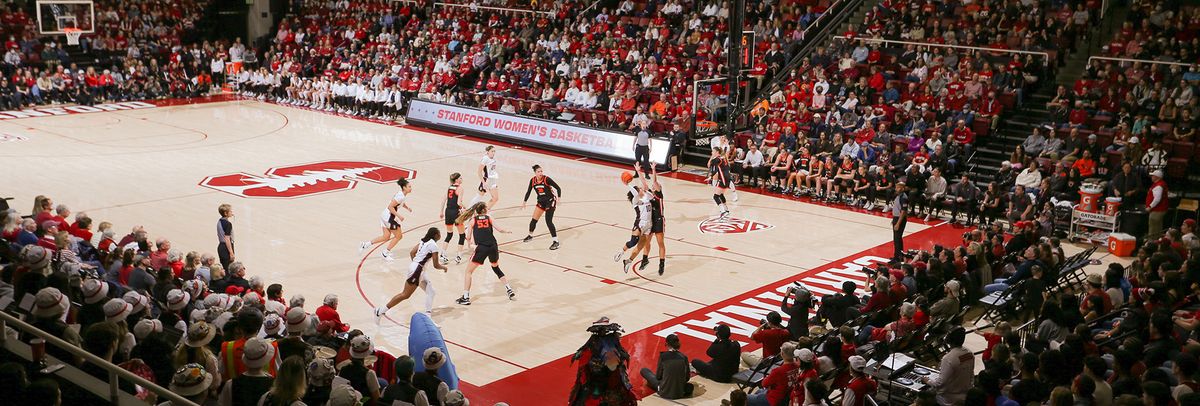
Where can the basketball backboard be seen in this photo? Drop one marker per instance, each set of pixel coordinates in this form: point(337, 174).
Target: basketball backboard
point(55, 15)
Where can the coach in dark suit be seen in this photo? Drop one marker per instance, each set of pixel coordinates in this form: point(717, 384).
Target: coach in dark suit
point(671, 378)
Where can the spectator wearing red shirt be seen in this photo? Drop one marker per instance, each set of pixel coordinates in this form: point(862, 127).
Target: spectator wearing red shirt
point(963, 134)
point(771, 334)
point(328, 312)
point(1078, 115)
point(1086, 165)
point(775, 385)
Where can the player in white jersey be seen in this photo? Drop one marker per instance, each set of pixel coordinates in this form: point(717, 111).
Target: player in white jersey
point(641, 198)
point(423, 255)
point(489, 178)
point(390, 221)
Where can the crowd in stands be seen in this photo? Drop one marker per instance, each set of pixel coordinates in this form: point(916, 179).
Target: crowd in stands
point(139, 51)
point(598, 66)
point(1122, 336)
point(192, 322)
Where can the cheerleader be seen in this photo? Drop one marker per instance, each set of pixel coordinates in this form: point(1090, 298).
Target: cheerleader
point(390, 221)
point(450, 210)
point(489, 179)
point(657, 225)
point(639, 234)
point(420, 255)
point(718, 176)
point(482, 227)
point(547, 200)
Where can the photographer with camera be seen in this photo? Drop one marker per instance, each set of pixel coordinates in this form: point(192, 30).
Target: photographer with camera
point(836, 307)
point(801, 301)
point(724, 362)
point(771, 334)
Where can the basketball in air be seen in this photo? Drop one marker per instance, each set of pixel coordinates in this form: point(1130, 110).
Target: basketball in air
point(626, 177)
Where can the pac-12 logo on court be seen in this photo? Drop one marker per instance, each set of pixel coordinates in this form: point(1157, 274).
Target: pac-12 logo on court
point(731, 225)
point(306, 179)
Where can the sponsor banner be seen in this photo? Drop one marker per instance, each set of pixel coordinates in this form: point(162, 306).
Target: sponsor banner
point(306, 179)
point(731, 225)
point(68, 110)
point(535, 132)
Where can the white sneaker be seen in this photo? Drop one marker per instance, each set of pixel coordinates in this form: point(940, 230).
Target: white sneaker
point(618, 256)
point(735, 196)
point(442, 257)
point(379, 312)
point(388, 256)
point(458, 259)
point(363, 246)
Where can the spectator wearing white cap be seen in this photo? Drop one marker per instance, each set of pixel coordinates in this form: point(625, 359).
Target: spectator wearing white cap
point(861, 385)
point(806, 370)
point(456, 398)
point(194, 349)
point(49, 307)
point(177, 305)
point(947, 306)
point(191, 381)
point(320, 381)
point(273, 326)
point(1157, 203)
point(115, 311)
point(362, 378)
point(428, 380)
point(95, 295)
point(249, 387)
point(344, 395)
point(298, 326)
point(152, 348)
point(328, 312)
point(139, 304)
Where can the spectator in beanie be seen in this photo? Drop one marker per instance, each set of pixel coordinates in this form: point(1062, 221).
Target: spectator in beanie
point(328, 312)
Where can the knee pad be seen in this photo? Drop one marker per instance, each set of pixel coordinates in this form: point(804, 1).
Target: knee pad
point(633, 240)
point(462, 239)
point(450, 236)
point(499, 273)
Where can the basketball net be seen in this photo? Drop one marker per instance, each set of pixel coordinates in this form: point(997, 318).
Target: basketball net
point(73, 35)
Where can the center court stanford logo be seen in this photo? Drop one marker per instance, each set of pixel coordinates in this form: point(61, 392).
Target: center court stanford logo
point(306, 179)
point(731, 225)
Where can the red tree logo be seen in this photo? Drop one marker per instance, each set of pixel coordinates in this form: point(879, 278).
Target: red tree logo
point(306, 179)
point(731, 225)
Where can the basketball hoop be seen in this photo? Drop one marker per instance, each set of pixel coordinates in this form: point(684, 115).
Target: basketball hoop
point(73, 35)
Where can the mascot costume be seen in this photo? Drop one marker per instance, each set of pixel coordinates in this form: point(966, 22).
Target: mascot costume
point(602, 378)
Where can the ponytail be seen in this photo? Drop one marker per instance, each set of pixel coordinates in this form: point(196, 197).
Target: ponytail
point(432, 235)
point(477, 208)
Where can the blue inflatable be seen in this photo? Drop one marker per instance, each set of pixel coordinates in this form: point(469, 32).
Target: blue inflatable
point(425, 335)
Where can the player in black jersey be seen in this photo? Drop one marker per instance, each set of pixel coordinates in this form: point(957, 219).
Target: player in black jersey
point(718, 176)
point(450, 209)
point(657, 224)
point(547, 200)
point(482, 227)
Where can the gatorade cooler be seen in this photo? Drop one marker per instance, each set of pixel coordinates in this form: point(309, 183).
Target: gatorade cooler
point(1112, 206)
point(1089, 199)
point(1121, 244)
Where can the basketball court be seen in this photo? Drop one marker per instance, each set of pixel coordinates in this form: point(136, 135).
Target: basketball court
point(308, 186)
